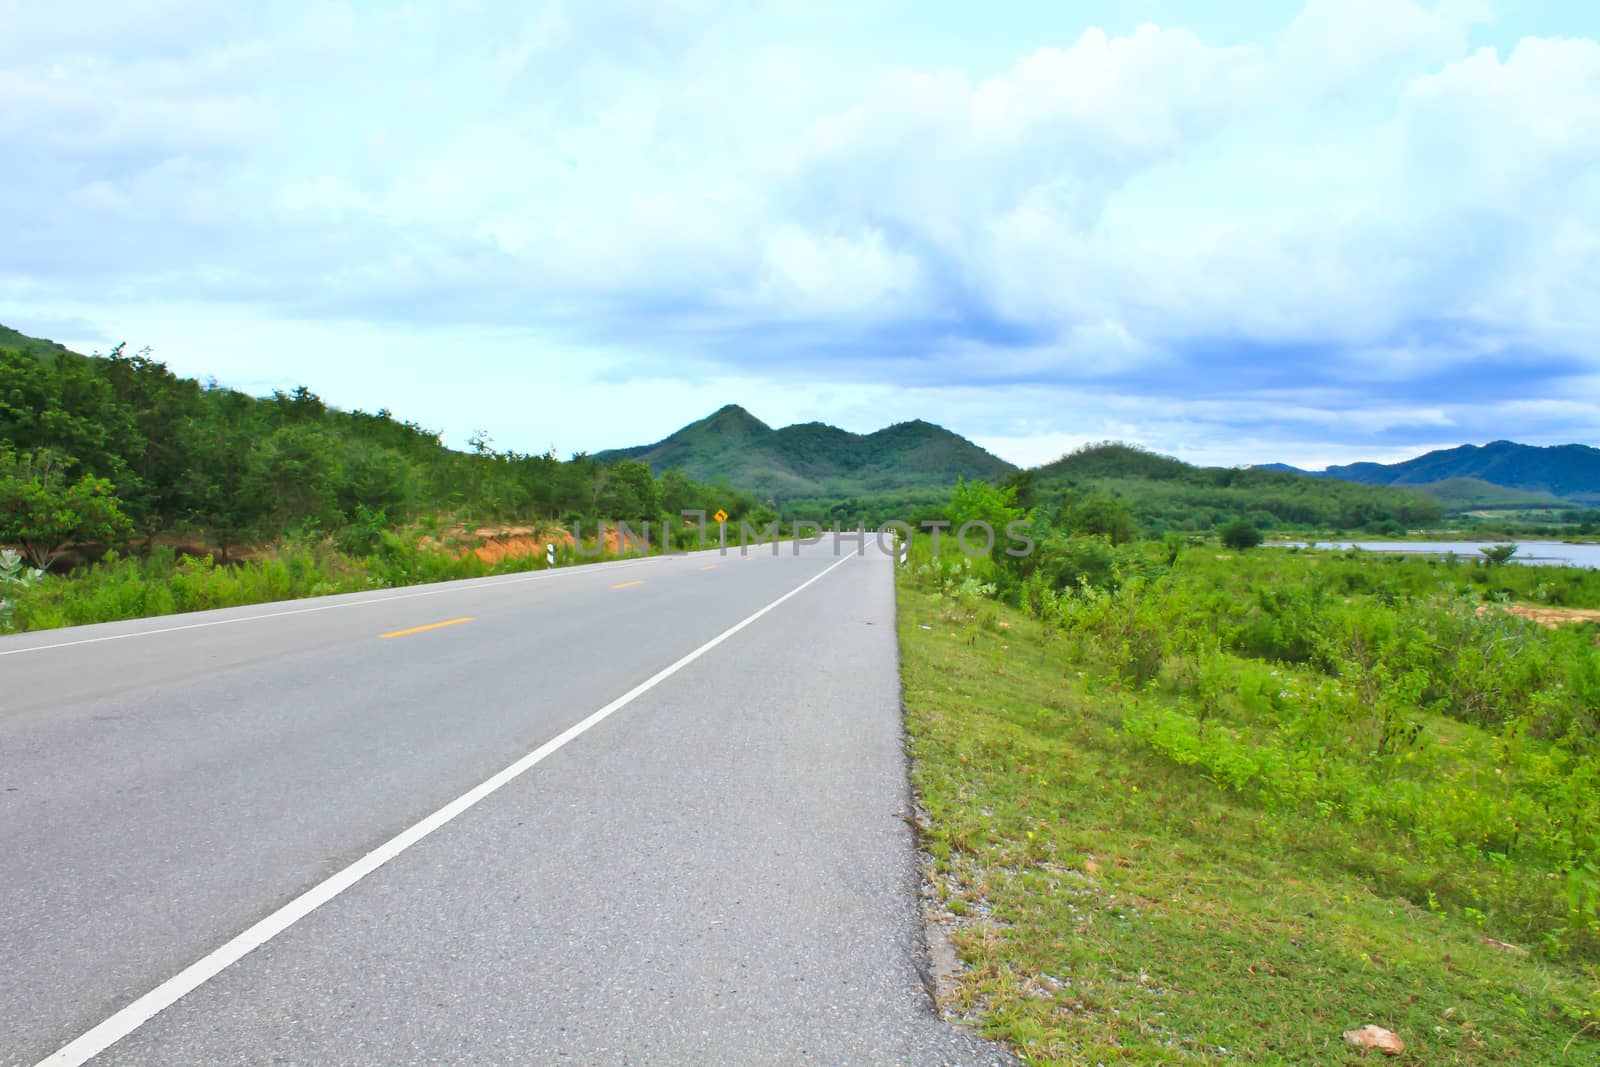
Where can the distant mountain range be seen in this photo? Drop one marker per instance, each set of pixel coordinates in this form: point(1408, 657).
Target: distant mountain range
point(813, 459)
point(1536, 474)
point(817, 460)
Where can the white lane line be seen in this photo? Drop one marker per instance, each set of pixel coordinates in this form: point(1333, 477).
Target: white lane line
point(80, 1050)
point(436, 590)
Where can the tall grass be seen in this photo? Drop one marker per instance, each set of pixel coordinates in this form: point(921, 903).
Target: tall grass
point(165, 583)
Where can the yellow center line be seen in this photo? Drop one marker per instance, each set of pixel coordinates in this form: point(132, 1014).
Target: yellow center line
point(430, 626)
point(709, 567)
point(624, 585)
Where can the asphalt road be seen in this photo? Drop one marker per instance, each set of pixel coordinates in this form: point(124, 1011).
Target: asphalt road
point(712, 869)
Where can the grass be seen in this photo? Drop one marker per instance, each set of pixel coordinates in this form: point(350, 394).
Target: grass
point(1112, 906)
point(166, 583)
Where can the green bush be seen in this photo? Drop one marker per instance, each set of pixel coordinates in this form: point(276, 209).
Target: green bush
point(1240, 535)
point(1383, 691)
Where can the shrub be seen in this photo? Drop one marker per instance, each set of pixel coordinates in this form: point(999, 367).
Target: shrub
point(1240, 535)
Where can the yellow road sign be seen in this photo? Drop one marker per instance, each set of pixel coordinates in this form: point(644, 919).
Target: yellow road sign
point(721, 516)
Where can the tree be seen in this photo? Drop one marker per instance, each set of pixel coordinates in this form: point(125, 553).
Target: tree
point(376, 478)
point(1240, 535)
point(1103, 515)
point(678, 493)
point(539, 481)
point(64, 408)
point(1021, 483)
point(1495, 555)
point(44, 511)
point(219, 442)
point(980, 502)
point(295, 474)
point(302, 405)
point(629, 493)
point(159, 404)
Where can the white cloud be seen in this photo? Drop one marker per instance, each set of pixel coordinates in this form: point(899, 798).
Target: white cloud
point(1368, 201)
point(808, 274)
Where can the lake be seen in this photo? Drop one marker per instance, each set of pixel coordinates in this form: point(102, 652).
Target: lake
point(1542, 553)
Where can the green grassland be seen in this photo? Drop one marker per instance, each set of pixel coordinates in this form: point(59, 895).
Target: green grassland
point(1220, 807)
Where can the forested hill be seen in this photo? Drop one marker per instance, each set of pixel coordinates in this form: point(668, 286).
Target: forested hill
point(1570, 472)
point(12, 341)
point(814, 459)
point(117, 449)
point(1166, 493)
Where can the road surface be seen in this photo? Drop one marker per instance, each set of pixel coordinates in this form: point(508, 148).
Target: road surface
point(643, 812)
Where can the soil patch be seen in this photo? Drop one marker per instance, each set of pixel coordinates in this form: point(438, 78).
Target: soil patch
point(1551, 617)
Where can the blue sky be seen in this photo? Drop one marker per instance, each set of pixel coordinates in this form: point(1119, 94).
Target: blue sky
point(1244, 232)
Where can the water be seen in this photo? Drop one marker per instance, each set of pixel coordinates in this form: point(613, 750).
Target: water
point(1542, 553)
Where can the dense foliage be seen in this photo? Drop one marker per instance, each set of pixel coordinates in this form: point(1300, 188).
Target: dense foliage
point(100, 452)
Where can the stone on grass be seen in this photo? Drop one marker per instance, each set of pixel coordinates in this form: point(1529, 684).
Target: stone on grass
point(1385, 1041)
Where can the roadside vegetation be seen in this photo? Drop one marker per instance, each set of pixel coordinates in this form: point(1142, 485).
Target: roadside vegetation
point(164, 582)
point(1186, 803)
point(126, 490)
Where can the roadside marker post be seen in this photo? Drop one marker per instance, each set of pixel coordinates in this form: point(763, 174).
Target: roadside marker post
point(550, 554)
point(905, 553)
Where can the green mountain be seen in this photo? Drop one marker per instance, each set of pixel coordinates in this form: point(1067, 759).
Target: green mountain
point(813, 459)
point(1166, 493)
point(1568, 471)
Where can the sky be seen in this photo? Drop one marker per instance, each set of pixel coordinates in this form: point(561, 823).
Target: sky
point(1236, 233)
